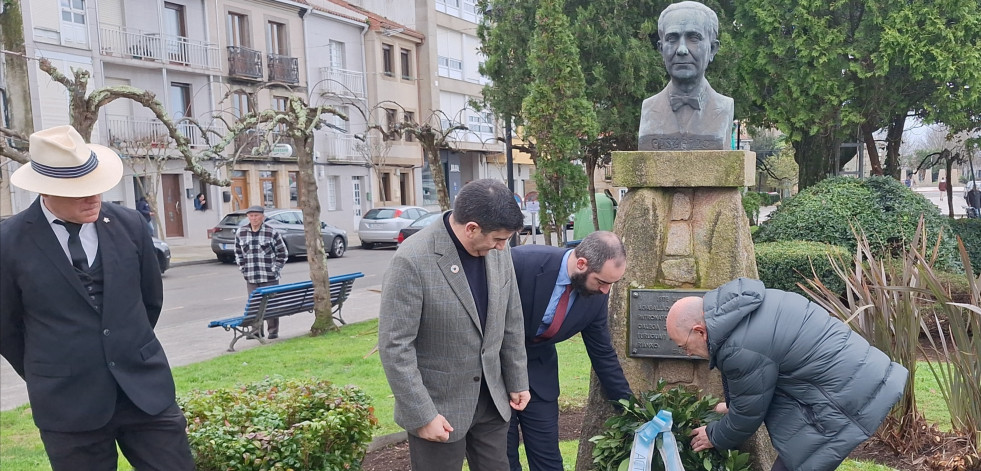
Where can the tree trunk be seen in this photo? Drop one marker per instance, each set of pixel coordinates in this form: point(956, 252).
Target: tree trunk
point(436, 170)
point(894, 139)
point(867, 129)
point(590, 173)
point(814, 154)
point(948, 164)
point(310, 203)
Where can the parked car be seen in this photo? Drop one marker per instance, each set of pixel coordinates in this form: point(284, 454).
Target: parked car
point(528, 222)
point(163, 254)
point(418, 225)
point(289, 223)
point(382, 225)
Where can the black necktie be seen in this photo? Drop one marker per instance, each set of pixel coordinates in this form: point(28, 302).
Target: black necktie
point(79, 259)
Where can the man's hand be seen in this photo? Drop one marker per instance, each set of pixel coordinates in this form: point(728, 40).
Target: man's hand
point(520, 399)
point(722, 408)
point(438, 430)
point(701, 440)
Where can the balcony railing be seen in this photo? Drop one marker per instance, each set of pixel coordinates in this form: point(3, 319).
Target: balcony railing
point(135, 134)
point(244, 63)
point(341, 82)
point(336, 148)
point(283, 69)
point(140, 45)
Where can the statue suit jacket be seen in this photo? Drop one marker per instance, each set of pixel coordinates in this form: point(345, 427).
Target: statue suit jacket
point(537, 268)
point(73, 357)
point(713, 119)
point(429, 336)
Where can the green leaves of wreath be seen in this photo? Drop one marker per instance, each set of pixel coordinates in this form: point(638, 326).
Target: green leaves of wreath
point(612, 448)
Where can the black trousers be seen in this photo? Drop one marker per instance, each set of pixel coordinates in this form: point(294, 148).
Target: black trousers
point(539, 424)
point(149, 442)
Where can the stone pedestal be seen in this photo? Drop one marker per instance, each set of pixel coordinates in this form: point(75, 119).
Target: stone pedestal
point(683, 226)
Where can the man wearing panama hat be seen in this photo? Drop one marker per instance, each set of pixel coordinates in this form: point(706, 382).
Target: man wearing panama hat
point(79, 296)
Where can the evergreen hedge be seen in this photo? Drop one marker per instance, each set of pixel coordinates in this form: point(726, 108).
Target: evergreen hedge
point(783, 264)
point(969, 231)
point(882, 207)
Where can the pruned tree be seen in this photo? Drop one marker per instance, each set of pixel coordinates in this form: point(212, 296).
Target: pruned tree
point(558, 115)
point(434, 136)
point(299, 122)
point(147, 157)
point(84, 108)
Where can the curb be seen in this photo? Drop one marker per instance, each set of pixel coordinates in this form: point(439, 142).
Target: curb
point(383, 441)
point(184, 263)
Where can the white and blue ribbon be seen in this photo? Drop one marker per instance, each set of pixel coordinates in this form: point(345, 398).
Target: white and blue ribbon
point(645, 438)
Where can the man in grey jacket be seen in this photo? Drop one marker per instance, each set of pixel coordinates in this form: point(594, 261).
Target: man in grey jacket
point(820, 388)
point(451, 336)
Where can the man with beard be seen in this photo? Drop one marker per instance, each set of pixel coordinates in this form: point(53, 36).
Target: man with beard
point(563, 292)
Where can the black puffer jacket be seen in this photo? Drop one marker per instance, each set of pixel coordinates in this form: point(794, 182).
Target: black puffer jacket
point(820, 388)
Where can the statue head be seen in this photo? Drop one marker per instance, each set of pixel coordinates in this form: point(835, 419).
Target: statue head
point(688, 34)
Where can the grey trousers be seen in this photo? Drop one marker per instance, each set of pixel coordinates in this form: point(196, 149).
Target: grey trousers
point(484, 446)
point(272, 325)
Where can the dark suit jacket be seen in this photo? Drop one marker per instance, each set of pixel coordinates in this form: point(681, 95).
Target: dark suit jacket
point(537, 267)
point(71, 356)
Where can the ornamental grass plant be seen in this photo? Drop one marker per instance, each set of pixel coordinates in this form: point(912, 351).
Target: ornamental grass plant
point(893, 302)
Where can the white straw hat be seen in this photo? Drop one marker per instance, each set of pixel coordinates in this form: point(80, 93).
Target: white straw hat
point(62, 164)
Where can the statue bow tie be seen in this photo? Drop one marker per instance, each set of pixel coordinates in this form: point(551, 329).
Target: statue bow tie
point(678, 100)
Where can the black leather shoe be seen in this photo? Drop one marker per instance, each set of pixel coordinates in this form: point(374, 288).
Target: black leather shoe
point(273, 336)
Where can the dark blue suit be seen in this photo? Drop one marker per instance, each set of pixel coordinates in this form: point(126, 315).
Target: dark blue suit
point(537, 268)
point(77, 360)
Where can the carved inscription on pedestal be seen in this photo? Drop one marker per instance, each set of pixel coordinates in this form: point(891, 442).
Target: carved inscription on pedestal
point(646, 331)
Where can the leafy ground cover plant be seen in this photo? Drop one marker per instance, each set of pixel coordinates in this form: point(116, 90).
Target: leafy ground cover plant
point(688, 411)
point(278, 424)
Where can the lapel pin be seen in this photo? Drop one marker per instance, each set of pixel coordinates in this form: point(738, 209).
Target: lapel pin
point(105, 220)
point(454, 269)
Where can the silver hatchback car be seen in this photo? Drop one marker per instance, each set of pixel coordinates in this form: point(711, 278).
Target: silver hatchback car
point(382, 225)
point(289, 223)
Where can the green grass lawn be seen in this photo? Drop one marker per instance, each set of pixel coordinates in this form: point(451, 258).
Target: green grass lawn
point(345, 358)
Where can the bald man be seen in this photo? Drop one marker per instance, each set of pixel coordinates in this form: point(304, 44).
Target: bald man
point(820, 388)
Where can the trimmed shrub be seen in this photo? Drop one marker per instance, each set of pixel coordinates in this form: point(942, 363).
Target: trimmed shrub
point(751, 205)
point(279, 424)
point(688, 412)
point(783, 264)
point(969, 231)
point(882, 207)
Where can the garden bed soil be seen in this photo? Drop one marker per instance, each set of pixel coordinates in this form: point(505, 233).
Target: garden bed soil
point(396, 457)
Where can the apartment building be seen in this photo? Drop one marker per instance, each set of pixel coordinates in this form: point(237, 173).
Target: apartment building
point(373, 80)
point(450, 83)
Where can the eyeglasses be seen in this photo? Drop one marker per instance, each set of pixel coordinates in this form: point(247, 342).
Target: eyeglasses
point(687, 339)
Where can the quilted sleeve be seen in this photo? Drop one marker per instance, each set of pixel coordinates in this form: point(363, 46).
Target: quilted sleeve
point(752, 378)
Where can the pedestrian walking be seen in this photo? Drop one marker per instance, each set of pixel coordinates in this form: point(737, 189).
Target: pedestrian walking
point(260, 253)
point(79, 297)
point(943, 187)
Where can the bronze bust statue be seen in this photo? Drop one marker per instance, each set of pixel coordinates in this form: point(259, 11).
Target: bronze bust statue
point(688, 114)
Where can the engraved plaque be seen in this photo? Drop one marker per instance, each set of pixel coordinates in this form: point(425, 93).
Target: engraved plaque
point(647, 333)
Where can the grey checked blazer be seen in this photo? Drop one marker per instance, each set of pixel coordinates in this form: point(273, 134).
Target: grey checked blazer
point(429, 335)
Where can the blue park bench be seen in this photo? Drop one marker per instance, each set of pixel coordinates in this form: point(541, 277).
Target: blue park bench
point(277, 301)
